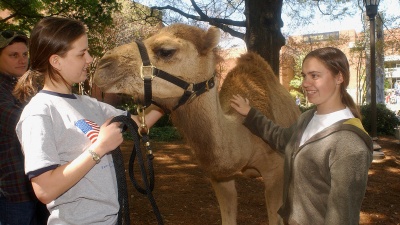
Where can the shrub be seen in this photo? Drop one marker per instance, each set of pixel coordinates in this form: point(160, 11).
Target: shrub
point(164, 121)
point(166, 133)
point(386, 120)
point(164, 130)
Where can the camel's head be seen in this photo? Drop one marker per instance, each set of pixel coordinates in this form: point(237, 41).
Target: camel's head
point(183, 51)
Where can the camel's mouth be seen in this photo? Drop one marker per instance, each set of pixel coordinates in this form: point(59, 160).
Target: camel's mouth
point(107, 86)
point(105, 81)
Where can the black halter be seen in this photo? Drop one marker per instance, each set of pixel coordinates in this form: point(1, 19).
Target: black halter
point(191, 90)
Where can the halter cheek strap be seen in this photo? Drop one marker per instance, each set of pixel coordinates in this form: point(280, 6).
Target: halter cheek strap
point(148, 72)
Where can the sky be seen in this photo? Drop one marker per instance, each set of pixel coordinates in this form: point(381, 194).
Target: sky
point(322, 24)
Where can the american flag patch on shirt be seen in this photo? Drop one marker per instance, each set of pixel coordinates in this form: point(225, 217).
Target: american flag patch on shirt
point(91, 129)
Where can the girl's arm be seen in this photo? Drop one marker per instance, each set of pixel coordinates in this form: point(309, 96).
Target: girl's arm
point(153, 114)
point(260, 125)
point(53, 183)
point(348, 165)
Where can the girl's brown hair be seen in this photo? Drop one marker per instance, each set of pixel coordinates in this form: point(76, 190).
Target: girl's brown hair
point(52, 35)
point(336, 62)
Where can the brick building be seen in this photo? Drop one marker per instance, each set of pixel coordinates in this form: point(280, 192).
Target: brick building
point(355, 46)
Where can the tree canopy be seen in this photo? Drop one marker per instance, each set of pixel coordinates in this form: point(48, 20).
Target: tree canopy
point(24, 14)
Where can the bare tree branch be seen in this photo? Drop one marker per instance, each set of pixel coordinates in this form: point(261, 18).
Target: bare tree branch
point(189, 16)
point(220, 23)
point(204, 17)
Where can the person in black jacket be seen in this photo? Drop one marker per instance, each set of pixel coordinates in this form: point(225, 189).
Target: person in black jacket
point(18, 204)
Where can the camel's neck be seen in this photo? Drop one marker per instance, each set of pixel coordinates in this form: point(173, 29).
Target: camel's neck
point(204, 110)
point(202, 121)
point(216, 140)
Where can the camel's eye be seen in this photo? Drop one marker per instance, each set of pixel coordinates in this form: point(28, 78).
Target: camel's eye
point(165, 53)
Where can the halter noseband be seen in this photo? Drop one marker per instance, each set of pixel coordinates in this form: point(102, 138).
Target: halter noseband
point(191, 90)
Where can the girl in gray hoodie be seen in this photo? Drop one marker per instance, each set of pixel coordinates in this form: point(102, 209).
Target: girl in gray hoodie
point(327, 151)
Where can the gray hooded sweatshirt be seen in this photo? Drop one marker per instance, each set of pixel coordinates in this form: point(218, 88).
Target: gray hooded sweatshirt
point(326, 178)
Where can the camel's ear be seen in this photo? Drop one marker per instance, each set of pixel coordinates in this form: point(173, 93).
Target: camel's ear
point(212, 38)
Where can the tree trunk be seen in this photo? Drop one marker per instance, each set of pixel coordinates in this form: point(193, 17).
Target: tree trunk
point(380, 70)
point(379, 60)
point(367, 60)
point(263, 30)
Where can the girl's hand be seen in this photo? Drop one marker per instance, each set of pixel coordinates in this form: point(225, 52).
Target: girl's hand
point(109, 138)
point(240, 104)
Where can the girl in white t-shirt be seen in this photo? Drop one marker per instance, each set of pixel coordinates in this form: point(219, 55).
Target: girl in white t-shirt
point(65, 137)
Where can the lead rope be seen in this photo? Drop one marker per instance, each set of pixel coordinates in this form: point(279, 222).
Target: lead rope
point(147, 181)
point(123, 213)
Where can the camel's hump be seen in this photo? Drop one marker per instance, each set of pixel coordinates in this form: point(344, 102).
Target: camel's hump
point(253, 78)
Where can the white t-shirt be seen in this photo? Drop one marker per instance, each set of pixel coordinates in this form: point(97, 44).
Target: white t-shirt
point(320, 122)
point(55, 129)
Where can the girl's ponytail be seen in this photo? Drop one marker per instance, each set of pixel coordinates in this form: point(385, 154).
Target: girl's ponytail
point(28, 85)
point(349, 102)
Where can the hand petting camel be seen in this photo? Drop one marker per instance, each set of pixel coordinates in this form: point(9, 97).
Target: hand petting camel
point(183, 82)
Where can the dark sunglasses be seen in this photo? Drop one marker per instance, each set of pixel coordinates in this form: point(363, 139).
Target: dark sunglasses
point(7, 34)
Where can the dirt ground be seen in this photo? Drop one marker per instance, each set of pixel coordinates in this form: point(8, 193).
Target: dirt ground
point(184, 195)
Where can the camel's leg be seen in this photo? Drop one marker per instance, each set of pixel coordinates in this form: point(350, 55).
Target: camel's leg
point(273, 199)
point(273, 182)
point(269, 165)
point(227, 199)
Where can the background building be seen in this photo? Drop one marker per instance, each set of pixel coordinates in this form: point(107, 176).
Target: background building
point(355, 46)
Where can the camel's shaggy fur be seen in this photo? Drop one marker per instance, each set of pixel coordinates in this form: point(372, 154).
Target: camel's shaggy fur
point(222, 146)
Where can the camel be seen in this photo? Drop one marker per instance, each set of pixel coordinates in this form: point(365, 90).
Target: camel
point(223, 147)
